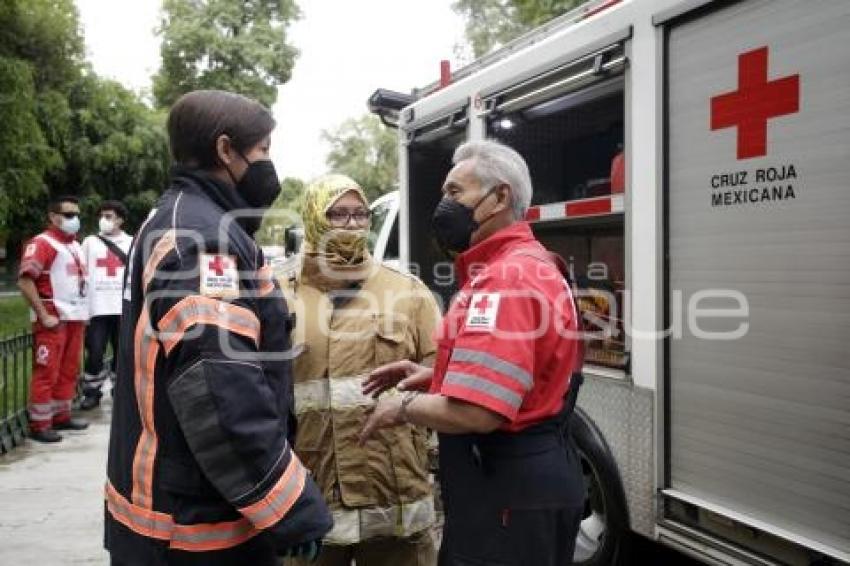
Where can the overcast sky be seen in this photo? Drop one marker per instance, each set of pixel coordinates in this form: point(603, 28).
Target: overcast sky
point(348, 49)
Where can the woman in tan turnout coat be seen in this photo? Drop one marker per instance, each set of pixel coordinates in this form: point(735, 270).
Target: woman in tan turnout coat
point(353, 315)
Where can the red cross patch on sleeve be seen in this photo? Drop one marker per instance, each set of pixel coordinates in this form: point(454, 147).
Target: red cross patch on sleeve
point(219, 276)
point(482, 313)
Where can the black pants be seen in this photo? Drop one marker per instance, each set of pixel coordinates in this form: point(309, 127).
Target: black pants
point(102, 330)
point(510, 499)
point(538, 537)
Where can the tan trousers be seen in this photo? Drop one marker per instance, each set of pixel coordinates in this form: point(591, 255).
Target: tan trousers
point(418, 550)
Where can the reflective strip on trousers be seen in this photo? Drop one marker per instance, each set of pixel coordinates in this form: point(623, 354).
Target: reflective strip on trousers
point(41, 412)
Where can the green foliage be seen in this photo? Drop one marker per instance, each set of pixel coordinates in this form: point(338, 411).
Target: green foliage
point(14, 316)
point(118, 149)
point(367, 151)
point(491, 23)
point(66, 130)
point(24, 153)
point(282, 213)
point(235, 45)
point(45, 33)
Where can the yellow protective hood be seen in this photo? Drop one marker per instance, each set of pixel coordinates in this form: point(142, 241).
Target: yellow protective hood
point(333, 258)
point(319, 196)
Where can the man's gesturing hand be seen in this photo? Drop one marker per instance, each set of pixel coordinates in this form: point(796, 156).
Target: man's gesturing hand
point(405, 375)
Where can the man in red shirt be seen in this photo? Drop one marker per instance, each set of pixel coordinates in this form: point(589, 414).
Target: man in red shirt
point(507, 349)
point(52, 278)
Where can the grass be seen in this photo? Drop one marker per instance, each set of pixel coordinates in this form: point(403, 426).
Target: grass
point(15, 367)
point(14, 316)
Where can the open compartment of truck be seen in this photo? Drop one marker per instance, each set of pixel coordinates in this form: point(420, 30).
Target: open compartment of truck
point(568, 124)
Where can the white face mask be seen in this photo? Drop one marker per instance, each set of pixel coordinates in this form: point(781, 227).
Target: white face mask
point(71, 225)
point(106, 225)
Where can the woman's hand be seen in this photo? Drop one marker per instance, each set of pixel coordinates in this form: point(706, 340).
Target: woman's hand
point(405, 375)
point(386, 413)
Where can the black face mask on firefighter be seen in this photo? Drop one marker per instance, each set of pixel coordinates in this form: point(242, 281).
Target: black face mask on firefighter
point(454, 223)
point(259, 185)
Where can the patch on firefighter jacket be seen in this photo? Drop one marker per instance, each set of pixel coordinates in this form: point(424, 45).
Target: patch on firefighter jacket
point(219, 277)
point(483, 311)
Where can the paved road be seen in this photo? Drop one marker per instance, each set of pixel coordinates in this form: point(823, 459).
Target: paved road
point(51, 499)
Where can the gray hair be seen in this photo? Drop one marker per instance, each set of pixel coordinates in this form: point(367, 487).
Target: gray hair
point(495, 163)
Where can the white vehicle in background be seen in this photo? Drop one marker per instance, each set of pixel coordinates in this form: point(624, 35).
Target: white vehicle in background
point(690, 161)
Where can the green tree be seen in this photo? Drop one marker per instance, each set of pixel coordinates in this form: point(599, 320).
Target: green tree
point(491, 23)
point(25, 156)
point(46, 34)
point(116, 148)
point(282, 214)
point(67, 131)
point(235, 45)
point(367, 151)
point(41, 52)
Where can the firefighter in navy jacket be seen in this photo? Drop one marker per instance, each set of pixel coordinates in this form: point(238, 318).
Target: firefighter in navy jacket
point(201, 468)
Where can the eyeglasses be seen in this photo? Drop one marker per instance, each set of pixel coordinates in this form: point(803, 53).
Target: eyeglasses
point(70, 215)
point(341, 216)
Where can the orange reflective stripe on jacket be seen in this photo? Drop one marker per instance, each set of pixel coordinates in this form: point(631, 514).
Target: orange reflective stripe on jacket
point(147, 350)
point(197, 309)
point(195, 538)
point(160, 250)
point(280, 499)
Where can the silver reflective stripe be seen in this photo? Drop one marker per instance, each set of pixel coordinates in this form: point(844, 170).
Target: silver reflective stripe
point(355, 525)
point(335, 393)
point(312, 395)
point(187, 535)
point(41, 412)
point(60, 406)
point(494, 363)
point(484, 386)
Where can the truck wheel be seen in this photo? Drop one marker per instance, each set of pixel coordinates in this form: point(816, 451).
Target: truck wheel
point(604, 527)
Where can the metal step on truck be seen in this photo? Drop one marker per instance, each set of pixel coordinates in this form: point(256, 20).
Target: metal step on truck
point(691, 161)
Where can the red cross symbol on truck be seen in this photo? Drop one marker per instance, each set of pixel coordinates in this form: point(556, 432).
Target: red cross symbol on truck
point(754, 103)
point(111, 262)
point(219, 264)
point(483, 304)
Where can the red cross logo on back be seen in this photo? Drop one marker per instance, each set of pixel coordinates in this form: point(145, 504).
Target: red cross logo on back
point(219, 264)
point(754, 103)
point(110, 262)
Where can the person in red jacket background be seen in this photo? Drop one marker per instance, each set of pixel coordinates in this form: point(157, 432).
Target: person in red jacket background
point(52, 278)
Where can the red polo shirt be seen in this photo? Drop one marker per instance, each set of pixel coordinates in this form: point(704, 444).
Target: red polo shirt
point(509, 342)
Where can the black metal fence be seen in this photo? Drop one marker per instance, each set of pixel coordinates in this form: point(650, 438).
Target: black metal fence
point(16, 367)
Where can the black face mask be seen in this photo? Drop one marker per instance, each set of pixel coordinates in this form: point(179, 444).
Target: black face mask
point(454, 223)
point(259, 186)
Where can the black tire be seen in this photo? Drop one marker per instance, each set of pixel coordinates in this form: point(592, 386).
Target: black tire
point(603, 534)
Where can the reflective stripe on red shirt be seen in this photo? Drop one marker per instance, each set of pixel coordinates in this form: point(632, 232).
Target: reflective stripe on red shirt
point(509, 342)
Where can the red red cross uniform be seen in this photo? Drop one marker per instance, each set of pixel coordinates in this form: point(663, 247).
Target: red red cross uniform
point(54, 261)
point(509, 341)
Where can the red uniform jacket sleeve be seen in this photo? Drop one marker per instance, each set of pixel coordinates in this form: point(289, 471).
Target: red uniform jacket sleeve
point(492, 363)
